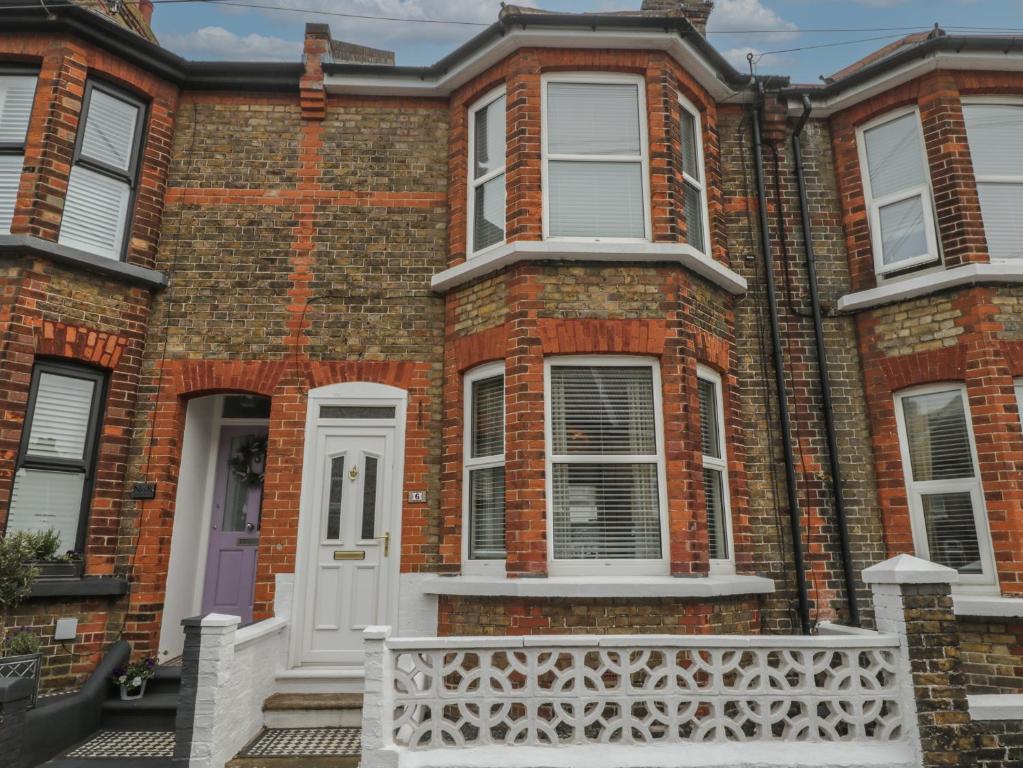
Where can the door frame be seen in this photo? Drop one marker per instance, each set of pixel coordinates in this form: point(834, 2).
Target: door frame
point(349, 393)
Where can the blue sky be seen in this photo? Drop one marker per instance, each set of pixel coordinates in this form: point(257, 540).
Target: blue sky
point(210, 30)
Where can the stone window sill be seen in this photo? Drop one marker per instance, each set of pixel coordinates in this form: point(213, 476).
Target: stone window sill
point(88, 586)
point(990, 606)
point(552, 250)
point(996, 706)
point(599, 587)
point(932, 282)
point(15, 245)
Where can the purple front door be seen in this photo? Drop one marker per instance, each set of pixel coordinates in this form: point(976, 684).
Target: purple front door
point(234, 522)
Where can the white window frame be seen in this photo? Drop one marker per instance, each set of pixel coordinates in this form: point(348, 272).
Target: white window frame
point(720, 566)
point(700, 184)
point(613, 567)
point(987, 580)
point(474, 183)
point(546, 157)
point(479, 373)
point(1017, 386)
point(874, 205)
point(1009, 101)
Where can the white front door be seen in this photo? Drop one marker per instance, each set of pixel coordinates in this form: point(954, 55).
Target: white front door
point(352, 513)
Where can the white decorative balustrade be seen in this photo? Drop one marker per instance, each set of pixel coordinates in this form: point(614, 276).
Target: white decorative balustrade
point(456, 693)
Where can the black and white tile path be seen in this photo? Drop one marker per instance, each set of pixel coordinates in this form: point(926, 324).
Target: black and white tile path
point(126, 744)
point(305, 742)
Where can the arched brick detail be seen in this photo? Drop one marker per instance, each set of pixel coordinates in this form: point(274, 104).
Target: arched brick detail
point(580, 337)
point(81, 344)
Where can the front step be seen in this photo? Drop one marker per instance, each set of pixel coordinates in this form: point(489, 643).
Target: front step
point(321, 680)
point(347, 761)
point(313, 710)
point(153, 712)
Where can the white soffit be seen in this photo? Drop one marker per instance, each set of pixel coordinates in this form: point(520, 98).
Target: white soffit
point(885, 81)
point(534, 37)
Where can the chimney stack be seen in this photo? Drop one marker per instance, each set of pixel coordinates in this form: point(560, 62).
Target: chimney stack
point(146, 9)
point(695, 11)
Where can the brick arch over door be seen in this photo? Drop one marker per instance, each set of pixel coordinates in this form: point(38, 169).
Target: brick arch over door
point(287, 383)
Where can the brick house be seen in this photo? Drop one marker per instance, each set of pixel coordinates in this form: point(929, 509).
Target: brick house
point(490, 346)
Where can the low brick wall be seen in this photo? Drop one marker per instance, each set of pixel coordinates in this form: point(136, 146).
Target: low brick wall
point(539, 616)
point(992, 654)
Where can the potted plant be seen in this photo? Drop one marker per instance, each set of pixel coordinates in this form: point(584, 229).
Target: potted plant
point(132, 679)
point(52, 566)
point(21, 658)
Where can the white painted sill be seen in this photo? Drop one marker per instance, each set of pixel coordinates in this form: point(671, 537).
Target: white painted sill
point(932, 282)
point(598, 586)
point(497, 259)
point(990, 606)
point(996, 706)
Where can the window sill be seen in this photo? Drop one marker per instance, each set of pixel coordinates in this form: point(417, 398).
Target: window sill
point(996, 706)
point(88, 586)
point(932, 282)
point(19, 245)
point(599, 586)
point(990, 606)
point(547, 250)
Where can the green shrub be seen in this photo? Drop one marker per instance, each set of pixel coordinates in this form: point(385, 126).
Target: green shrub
point(44, 545)
point(17, 551)
point(22, 642)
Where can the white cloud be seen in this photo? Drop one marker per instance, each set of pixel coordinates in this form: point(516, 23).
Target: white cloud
point(740, 15)
point(219, 43)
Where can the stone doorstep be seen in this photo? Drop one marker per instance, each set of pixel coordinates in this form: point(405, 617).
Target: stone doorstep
point(313, 710)
point(348, 761)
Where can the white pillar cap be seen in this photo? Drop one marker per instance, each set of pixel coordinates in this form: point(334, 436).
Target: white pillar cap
point(906, 569)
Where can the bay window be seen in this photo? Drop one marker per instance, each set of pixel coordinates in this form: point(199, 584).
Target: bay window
point(595, 157)
point(487, 150)
point(946, 499)
point(53, 479)
point(897, 190)
point(101, 187)
point(483, 477)
point(17, 92)
point(993, 131)
point(605, 460)
point(693, 175)
point(715, 470)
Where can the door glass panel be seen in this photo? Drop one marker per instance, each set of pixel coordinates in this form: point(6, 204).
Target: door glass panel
point(369, 499)
point(236, 493)
point(356, 411)
point(337, 479)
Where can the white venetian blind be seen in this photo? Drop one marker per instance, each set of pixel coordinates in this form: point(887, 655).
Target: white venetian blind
point(995, 133)
point(44, 499)
point(109, 136)
point(943, 477)
point(594, 160)
point(16, 95)
point(485, 469)
point(60, 419)
point(713, 471)
point(95, 209)
point(604, 510)
point(894, 155)
point(488, 174)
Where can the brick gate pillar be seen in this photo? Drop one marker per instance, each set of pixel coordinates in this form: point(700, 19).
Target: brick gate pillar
point(913, 600)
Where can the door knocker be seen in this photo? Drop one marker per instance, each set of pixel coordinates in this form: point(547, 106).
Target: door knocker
point(353, 473)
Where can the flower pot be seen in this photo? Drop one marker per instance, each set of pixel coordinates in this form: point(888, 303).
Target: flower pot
point(60, 571)
point(130, 694)
point(25, 667)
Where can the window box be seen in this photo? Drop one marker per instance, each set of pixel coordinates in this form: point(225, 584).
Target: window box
point(62, 571)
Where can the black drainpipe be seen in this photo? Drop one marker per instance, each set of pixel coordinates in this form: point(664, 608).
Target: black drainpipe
point(779, 368)
point(822, 368)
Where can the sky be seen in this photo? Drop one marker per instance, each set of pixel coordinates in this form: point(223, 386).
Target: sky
point(830, 33)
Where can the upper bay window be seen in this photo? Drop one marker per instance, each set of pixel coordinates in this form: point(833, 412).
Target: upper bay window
point(487, 149)
point(897, 190)
point(104, 175)
point(53, 481)
point(595, 157)
point(17, 92)
point(694, 177)
point(483, 480)
point(994, 130)
point(946, 500)
point(605, 466)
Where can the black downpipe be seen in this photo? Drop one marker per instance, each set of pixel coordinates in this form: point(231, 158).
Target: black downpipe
point(823, 373)
point(779, 369)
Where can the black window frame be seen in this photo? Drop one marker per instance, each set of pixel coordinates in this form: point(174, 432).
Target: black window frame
point(90, 452)
point(133, 175)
